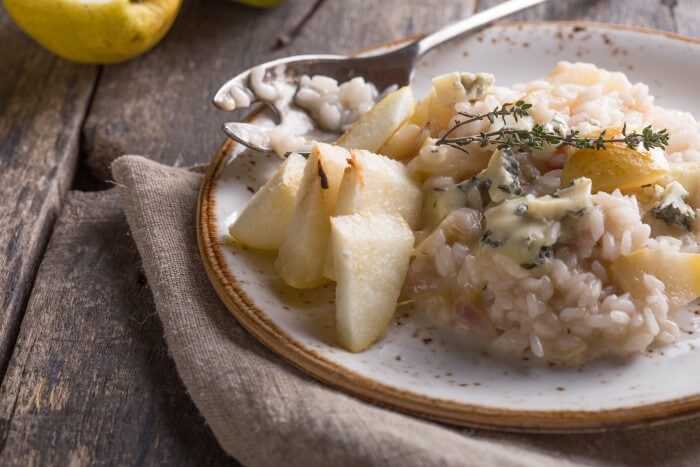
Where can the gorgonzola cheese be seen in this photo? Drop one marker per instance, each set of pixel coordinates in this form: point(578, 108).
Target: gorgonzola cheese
point(524, 229)
point(514, 235)
point(571, 199)
point(500, 177)
point(673, 209)
point(454, 87)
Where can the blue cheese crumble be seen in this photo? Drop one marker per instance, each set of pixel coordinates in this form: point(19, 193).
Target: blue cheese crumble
point(673, 209)
point(523, 230)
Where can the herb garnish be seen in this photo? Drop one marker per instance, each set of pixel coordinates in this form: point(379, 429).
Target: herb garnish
point(518, 110)
point(530, 140)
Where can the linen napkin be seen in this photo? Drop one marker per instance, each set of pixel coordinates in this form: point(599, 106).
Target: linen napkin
point(264, 412)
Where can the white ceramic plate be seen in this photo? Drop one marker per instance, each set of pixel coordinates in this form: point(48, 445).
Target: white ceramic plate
point(431, 371)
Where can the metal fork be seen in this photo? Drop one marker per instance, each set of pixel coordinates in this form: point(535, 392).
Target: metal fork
point(391, 68)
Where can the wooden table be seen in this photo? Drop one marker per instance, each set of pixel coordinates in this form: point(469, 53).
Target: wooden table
point(86, 377)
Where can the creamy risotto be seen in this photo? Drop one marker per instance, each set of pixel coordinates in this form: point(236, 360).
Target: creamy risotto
point(555, 218)
point(570, 264)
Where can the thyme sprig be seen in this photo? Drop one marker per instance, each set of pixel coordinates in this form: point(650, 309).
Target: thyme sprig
point(518, 110)
point(540, 135)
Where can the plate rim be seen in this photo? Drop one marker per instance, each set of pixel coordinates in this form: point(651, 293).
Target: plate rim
point(310, 362)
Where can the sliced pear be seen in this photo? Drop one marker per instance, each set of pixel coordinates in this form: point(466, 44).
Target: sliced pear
point(439, 114)
point(302, 254)
point(680, 272)
point(97, 32)
point(375, 127)
point(616, 166)
point(371, 252)
point(379, 184)
point(420, 114)
point(405, 143)
point(374, 183)
point(263, 223)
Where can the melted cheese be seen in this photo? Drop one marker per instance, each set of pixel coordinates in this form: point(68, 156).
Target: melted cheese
point(522, 230)
point(569, 199)
point(673, 209)
point(518, 237)
point(674, 194)
point(688, 175)
point(501, 177)
point(454, 87)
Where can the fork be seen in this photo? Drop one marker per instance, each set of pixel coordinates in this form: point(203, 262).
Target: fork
point(383, 70)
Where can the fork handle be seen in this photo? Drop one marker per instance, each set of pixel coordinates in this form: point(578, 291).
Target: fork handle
point(427, 43)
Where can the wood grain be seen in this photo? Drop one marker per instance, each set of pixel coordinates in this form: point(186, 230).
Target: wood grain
point(647, 13)
point(159, 105)
point(43, 100)
point(686, 16)
point(91, 381)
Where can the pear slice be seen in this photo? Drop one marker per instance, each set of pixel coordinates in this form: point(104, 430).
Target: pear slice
point(680, 273)
point(302, 254)
point(97, 32)
point(375, 127)
point(371, 252)
point(374, 183)
point(616, 166)
point(379, 184)
point(405, 143)
point(263, 223)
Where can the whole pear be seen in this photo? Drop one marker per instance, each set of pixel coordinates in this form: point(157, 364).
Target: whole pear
point(95, 31)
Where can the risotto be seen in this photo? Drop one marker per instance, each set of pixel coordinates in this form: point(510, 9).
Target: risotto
point(542, 259)
point(554, 219)
point(335, 107)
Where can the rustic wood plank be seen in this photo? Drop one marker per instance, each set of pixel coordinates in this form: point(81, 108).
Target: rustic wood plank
point(686, 14)
point(43, 100)
point(647, 13)
point(91, 381)
point(159, 105)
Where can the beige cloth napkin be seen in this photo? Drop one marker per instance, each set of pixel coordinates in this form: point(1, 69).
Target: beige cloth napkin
point(265, 413)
